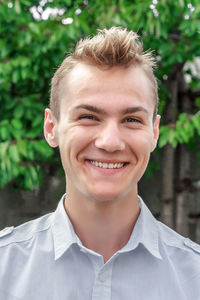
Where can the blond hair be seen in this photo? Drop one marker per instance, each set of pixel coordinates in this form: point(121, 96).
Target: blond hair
point(108, 48)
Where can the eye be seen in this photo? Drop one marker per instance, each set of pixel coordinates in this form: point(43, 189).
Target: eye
point(87, 117)
point(132, 120)
point(90, 117)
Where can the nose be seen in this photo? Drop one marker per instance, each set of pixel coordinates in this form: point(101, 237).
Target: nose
point(109, 138)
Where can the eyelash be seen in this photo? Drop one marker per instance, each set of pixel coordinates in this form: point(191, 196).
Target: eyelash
point(89, 117)
point(133, 120)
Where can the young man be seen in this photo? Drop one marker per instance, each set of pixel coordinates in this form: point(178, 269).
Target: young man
point(102, 242)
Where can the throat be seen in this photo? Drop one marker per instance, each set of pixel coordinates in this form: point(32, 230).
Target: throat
point(106, 236)
point(103, 227)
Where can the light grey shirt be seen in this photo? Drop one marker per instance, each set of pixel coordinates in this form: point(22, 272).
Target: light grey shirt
point(45, 260)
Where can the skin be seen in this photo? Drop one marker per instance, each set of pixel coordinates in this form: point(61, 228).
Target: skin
point(105, 116)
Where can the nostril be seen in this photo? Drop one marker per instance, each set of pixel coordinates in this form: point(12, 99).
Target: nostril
point(110, 143)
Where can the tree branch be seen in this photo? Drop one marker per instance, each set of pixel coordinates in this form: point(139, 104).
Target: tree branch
point(195, 93)
point(192, 94)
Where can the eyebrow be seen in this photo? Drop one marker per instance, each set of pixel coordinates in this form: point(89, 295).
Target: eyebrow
point(102, 111)
point(90, 108)
point(135, 109)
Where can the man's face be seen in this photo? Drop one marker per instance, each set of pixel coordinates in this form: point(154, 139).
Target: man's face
point(105, 132)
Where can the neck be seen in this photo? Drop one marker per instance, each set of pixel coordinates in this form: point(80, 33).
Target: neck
point(104, 227)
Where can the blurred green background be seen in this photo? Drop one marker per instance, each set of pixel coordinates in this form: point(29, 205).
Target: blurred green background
point(35, 36)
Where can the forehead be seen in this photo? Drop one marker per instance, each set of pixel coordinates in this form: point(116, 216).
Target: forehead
point(86, 82)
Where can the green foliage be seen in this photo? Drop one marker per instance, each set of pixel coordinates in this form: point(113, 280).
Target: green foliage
point(31, 49)
point(152, 167)
point(21, 160)
point(183, 131)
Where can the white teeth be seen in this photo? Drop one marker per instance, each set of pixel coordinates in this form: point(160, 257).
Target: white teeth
point(107, 165)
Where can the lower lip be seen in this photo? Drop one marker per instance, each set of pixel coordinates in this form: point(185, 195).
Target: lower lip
point(107, 171)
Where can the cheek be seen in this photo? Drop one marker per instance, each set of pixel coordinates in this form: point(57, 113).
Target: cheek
point(141, 142)
point(73, 141)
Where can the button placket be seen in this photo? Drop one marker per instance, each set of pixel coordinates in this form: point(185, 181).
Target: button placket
point(102, 276)
point(102, 284)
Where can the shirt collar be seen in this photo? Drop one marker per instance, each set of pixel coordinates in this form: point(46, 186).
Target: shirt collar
point(62, 229)
point(145, 231)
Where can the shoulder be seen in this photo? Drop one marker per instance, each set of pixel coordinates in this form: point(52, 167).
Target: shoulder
point(182, 257)
point(25, 231)
point(172, 239)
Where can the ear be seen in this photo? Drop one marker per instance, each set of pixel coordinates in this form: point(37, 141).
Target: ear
point(155, 132)
point(50, 128)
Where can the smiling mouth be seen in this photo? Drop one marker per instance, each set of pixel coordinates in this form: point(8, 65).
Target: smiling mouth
point(105, 165)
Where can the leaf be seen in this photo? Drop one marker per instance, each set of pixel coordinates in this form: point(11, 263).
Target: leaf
point(31, 178)
point(3, 149)
point(15, 170)
point(34, 176)
point(22, 147)
point(181, 3)
point(158, 31)
point(183, 136)
point(34, 28)
point(16, 123)
point(25, 73)
point(37, 121)
point(34, 133)
point(30, 151)
point(164, 135)
point(17, 7)
point(196, 122)
point(16, 76)
point(4, 133)
point(42, 148)
point(18, 111)
point(189, 128)
point(182, 117)
point(162, 141)
point(197, 101)
point(173, 138)
point(13, 153)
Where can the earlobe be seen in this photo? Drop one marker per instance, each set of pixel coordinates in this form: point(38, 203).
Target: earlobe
point(50, 128)
point(155, 133)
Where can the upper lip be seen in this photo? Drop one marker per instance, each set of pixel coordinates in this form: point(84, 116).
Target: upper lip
point(108, 161)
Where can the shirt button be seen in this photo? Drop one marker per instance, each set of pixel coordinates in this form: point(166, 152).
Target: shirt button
point(102, 277)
